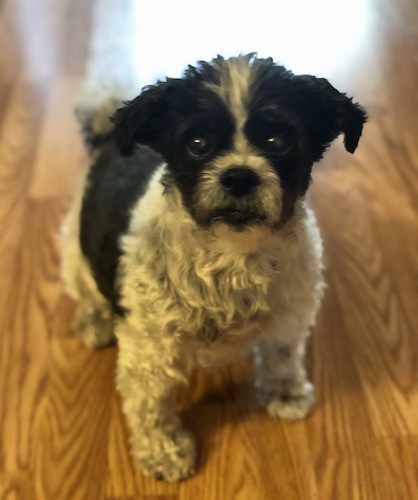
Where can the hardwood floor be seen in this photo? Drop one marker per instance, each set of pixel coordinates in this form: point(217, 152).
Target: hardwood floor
point(62, 434)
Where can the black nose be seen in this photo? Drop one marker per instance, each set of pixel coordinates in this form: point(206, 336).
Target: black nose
point(239, 181)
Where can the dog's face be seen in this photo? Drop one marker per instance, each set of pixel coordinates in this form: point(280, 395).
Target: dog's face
point(239, 136)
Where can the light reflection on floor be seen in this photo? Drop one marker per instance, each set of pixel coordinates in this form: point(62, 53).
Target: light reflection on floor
point(308, 36)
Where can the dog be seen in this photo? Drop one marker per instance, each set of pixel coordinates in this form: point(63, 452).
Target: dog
point(190, 240)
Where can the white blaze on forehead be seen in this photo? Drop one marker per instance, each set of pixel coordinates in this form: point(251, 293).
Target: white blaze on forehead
point(235, 79)
point(234, 87)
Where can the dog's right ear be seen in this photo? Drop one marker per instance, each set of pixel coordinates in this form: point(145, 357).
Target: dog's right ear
point(139, 121)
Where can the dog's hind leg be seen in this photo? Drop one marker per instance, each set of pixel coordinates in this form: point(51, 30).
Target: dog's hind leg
point(93, 320)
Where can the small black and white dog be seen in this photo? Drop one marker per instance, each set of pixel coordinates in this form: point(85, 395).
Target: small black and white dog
point(190, 240)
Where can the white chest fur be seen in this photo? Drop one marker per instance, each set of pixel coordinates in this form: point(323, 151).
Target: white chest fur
point(212, 289)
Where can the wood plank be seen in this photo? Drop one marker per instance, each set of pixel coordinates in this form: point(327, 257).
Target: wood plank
point(71, 427)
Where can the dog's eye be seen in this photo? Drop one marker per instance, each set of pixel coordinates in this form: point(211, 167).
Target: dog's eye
point(279, 144)
point(199, 147)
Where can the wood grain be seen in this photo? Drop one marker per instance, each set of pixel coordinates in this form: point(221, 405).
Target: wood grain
point(62, 433)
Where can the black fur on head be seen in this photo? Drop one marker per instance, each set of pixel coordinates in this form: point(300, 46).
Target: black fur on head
point(324, 111)
point(145, 119)
point(139, 121)
point(306, 111)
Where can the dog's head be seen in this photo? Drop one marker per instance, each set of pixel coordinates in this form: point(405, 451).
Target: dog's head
point(239, 136)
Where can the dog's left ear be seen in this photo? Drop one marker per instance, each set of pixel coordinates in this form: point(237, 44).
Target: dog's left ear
point(331, 112)
point(140, 120)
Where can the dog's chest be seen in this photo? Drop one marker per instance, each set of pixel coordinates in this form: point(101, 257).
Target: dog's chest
point(223, 305)
point(222, 299)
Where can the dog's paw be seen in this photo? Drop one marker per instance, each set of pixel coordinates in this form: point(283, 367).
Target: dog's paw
point(169, 457)
point(294, 405)
point(94, 327)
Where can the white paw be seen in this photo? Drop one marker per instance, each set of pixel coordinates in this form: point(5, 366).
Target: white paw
point(293, 406)
point(94, 328)
point(166, 456)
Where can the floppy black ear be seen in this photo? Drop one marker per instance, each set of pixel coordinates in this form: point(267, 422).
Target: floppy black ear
point(352, 117)
point(139, 121)
point(332, 112)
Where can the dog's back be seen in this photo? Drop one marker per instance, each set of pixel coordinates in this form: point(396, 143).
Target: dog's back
point(113, 185)
point(100, 211)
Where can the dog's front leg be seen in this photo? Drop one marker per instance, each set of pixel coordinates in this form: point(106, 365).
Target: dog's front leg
point(146, 378)
point(281, 381)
